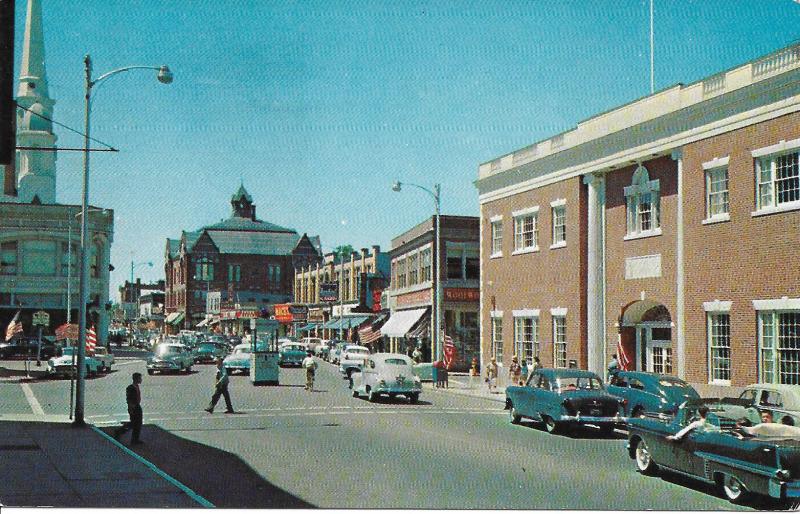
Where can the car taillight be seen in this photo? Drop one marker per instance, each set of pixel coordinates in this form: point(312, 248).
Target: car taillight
point(624, 402)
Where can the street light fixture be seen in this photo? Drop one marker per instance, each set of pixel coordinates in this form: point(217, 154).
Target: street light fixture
point(397, 186)
point(165, 77)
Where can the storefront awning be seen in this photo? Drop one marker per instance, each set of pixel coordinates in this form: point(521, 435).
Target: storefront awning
point(309, 327)
point(350, 322)
point(401, 322)
point(174, 318)
point(422, 328)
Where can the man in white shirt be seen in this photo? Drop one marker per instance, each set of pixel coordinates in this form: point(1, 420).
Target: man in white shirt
point(310, 365)
point(694, 425)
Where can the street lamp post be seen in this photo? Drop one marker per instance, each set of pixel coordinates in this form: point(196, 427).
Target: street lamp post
point(436, 289)
point(165, 77)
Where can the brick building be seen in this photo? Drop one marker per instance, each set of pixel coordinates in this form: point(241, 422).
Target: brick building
point(246, 260)
point(666, 228)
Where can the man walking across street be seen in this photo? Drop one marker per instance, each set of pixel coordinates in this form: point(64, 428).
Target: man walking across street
point(310, 365)
point(220, 389)
point(133, 396)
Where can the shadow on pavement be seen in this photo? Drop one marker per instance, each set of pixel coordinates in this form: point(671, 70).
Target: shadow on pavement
point(218, 476)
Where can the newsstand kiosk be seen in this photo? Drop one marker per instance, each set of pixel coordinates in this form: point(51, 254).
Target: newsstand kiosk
point(264, 369)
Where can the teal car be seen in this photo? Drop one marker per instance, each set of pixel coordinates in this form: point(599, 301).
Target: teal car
point(643, 392)
point(564, 398)
point(291, 354)
point(239, 358)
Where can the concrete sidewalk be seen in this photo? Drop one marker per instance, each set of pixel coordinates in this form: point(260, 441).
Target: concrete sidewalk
point(48, 462)
point(464, 384)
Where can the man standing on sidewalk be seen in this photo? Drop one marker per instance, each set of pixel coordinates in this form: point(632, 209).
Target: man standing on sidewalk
point(220, 389)
point(133, 396)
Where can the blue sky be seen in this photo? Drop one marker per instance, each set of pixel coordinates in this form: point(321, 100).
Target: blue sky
point(318, 106)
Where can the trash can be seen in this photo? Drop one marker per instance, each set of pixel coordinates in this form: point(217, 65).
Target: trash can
point(435, 374)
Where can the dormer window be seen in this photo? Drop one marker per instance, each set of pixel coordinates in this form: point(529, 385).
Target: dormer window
point(643, 205)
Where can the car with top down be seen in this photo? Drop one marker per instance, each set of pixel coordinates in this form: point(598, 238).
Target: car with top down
point(564, 399)
point(740, 462)
point(390, 374)
point(641, 392)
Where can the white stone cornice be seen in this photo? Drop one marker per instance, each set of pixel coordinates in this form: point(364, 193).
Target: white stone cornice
point(717, 306)
point(716, 162)
point(781, 304)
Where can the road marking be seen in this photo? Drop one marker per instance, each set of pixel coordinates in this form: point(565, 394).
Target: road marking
point(35, 406)
point(193, 495)
point(127, 363)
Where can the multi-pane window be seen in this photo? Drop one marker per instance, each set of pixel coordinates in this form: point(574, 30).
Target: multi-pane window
point(497, 237)
point(559, 224)
point(642, 199)
point(526, 232)
point(425, 265)
point(400, 266)
point(497, 339)
point(778, 178)
point(234, 273)
point(472, 267)
point(719, 346)
point(413, 269)
point(455, 268)
point(779, 347)
point(8, 258)
point(273, 277)
point(717, 202)
point(560, 341)
point(526, 338)
point(662, 359)
point(204, 269)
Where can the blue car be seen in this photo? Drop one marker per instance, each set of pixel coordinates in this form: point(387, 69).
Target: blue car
point(642, 392)
point(564, 398)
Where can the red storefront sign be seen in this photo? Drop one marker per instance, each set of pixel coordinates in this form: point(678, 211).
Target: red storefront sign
point(239, 314)
point(288, 313)
point(416, 297)
point(376, 300)
point(462, 294)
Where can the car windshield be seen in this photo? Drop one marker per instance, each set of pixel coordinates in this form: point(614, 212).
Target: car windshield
point(69, 350)
point(206, 347)
point(240, 351)
point(396, 362)
point(578, 383)
point(162, 351)
point(672, 382)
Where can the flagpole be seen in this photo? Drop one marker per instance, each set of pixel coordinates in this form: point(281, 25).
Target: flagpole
point(652, 53)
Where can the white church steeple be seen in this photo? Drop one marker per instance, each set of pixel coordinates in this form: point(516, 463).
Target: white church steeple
point(36, 169)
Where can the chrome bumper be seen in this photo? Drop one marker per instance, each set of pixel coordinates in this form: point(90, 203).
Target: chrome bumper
point(593, 419)
point(779, 489)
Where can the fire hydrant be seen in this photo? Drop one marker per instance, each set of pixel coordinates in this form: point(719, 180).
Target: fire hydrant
point(473, 372)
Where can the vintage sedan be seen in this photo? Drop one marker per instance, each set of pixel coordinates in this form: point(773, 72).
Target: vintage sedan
point(62, 366)
point(391, 374)
point(291, 354)
point(642, 392)
point(563, 398)
point(352, 358)
point(783, 401)
point(719, 453)
point(239, 358)
point(170, 357)
point(209, 352)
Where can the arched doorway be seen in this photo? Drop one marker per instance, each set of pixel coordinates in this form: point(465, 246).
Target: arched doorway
point(646, 336)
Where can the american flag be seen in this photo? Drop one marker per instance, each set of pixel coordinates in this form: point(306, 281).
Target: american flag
point(449, 350)
point(91, 340)
point(622, 357)
point(14, 328)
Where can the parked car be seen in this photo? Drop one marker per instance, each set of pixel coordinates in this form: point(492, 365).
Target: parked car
point(291, 354)
point(208, 352)
point(62, 365)
point(105, 357)
point(782, 400)
point(239, 359)
point(720, 456)
point(311, 343)
point(170, 357)
point(336, 350)
point(27, 347)
point(642, 392)
point(387, 373)
point(322, 350)
point(564, 398)
point(352, 358)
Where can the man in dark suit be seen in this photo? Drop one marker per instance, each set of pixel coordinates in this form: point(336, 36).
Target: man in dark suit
point(133, 396)
point(220, 389)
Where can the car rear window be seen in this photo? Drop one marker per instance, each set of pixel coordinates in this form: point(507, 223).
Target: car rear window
point(360, 351)
point(396, 362)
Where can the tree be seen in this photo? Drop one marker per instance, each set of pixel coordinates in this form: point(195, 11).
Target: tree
point(343, 251)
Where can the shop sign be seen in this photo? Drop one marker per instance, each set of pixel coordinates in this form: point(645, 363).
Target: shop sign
point(376, 300)
point(288, 313)
point(328, 292)
point(462, 294)
point(414, 298)
point(316, 315)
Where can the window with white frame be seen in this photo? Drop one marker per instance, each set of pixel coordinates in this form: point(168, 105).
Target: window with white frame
point(778, 180)
point(425, 265)
point(401, 273)
point(413, 269)
point(560, 341)
point(526, 338)
point(559, 224)
point(497, 339)
point(526, 231)
point(497, 237)
point(717, 203)
point(779, 347)
point(719, 346)
point(643, 204)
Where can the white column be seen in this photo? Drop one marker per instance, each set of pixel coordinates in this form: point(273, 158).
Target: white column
point(680, 322)
point(595, 301)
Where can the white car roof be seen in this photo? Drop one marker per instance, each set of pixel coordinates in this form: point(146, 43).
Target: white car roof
point(380, 357)
point(355, 347)
point(790, 393)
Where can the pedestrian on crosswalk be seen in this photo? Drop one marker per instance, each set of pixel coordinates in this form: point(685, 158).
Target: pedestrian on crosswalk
point(133, 397)
point(220, 389)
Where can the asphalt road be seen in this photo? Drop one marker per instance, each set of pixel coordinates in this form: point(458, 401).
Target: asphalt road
point(287, 447)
